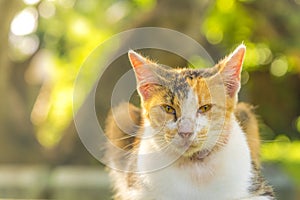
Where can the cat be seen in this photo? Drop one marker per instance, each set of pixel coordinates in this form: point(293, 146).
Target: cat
point(193, 116)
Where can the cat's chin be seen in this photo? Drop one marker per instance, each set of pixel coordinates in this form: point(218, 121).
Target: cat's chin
point(190, 150)
point(196, 154)
point(200, 155)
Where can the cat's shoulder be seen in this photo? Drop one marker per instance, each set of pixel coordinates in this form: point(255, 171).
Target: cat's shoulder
point(122, 122)
point(247, 119)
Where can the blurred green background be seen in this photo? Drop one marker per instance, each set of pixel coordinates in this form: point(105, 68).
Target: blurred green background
point(43, 43)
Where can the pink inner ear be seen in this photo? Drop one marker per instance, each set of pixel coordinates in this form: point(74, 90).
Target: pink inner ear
point(142, 67)
point(136, 59)
point(144, 73)
point(232, 70)
point(235, 61)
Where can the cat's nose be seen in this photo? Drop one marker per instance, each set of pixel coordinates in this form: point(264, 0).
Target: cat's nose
point(185, 134)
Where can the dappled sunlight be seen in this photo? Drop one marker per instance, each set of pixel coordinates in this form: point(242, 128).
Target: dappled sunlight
point(68, 37)
point(79, 28)
point(22, 39)
point(56, 36)
point(31, 2)
point(226, 6)
point(25, 22)
point(23, 46)
point(41, 107)
point(297, 124)
point(60, 34)
point(46, 43)
point(286, 153)
point(258, 55)
point(47, 9)
point(281, 150)
point(279, 67)
point(59, 117)
point(117, 11)
point(214, 35)
point(41, 68)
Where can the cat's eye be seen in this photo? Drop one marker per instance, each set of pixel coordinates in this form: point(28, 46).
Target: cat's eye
point(169, 109)
point(204, 108)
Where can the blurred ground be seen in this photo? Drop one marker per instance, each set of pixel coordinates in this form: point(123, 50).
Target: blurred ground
point(41, 182)
point(82, 182)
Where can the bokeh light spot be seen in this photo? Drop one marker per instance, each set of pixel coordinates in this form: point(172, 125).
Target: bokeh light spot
point(23, 46)
point(265, 54)
point(25, 22)
point(80, 27)
point(117, 11)
point(47, 9)
point(40, 68)
point(31, 2)
point(66, 3)
point(214, 35)
point(279, 67)
point(244, 77)
point(41, 107)
point(48, 137)
point(225, 5)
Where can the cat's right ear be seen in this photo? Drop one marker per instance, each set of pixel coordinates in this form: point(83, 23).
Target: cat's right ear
point(144, 73)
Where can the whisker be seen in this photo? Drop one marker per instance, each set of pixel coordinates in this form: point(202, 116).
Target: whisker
point(122, 138)
point(263, 140)
point(129, 145)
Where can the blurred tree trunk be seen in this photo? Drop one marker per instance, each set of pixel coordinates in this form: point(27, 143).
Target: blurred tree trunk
point(7, 11)
point(17, 141)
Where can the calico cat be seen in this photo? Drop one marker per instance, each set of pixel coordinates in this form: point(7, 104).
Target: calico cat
point(193, 116)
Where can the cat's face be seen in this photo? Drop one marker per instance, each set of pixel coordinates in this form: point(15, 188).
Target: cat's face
point(190, 110)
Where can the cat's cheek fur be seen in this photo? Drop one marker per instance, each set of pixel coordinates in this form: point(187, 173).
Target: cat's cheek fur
point(170, 131)
point(171, 125)
point(202, 123)
point(201, 131)
point(158, 118)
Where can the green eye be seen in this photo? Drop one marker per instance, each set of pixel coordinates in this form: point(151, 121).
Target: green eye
point(169, 109)
point(205, 108)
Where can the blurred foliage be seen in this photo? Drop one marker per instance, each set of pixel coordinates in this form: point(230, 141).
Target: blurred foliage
point(284, 152)
point(56, 36)
point(45, 42)
point(67, 32)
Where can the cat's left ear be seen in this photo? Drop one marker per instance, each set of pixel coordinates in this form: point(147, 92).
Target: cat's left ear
point(230, 68)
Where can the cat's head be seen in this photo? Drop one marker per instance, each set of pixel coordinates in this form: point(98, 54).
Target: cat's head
point(190, 110)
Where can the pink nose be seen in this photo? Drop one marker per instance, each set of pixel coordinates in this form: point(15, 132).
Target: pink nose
point(185, 134)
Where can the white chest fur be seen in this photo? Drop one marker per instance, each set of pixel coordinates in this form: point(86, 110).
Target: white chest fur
point(224, 175)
